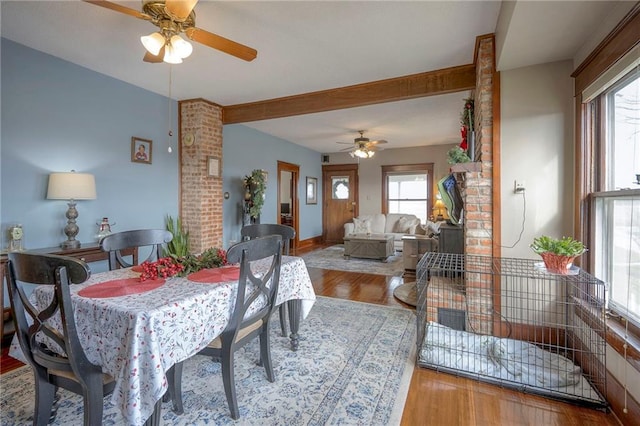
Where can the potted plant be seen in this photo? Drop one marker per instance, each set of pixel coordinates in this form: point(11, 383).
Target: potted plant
point(557, 254)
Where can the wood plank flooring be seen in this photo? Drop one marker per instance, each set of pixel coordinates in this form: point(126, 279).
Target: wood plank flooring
point(444, 399)
point(440, 398)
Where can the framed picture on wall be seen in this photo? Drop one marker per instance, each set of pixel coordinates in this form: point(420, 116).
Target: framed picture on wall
point(141, 150)
point(312, 190)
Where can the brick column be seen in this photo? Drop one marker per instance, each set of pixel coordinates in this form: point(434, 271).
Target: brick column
point(476, 186)
point(200, 194)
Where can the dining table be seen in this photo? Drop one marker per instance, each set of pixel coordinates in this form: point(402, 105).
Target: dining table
point(137, 330)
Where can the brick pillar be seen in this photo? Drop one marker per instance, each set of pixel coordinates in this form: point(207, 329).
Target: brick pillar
point(200, 194)
point(476, 186)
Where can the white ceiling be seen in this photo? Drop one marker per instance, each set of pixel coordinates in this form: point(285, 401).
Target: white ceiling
point(306, 46)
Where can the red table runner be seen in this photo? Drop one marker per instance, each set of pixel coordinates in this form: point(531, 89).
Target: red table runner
point(122, 287)
point(216, 275)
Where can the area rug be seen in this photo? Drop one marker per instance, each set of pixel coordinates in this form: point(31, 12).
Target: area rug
point(333, 258)
point(353, 367)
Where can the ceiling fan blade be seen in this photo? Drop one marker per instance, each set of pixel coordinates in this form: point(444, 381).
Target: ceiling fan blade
point(222, 44)
point(180, 9)
point(116, 7)
point(154, 59)
point(345, 143)
point(376, 142)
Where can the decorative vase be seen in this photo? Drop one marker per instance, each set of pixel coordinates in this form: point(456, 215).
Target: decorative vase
point(556, 263)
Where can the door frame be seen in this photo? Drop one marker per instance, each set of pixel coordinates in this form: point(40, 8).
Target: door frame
point(294, 169)
point(326, 194)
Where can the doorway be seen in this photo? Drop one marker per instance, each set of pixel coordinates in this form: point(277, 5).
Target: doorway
point(340, 192)
point(288, 199)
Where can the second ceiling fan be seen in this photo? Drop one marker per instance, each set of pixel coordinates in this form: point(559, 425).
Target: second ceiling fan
point(175, 17)
point(363, 147)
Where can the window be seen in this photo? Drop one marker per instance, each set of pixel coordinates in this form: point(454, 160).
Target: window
point(615, 207)
point(407, 189)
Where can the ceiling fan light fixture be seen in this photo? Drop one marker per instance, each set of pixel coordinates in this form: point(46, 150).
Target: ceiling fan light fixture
point(170, 55)
point(182, 47)
point(363, 153)
point(153, 42)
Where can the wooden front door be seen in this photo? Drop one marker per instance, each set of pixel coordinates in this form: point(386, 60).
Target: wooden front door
point(340, 196)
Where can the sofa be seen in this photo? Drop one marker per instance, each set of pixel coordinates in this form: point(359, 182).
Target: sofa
point(396, 224)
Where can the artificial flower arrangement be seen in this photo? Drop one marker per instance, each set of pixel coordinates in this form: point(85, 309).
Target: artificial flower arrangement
point(172, 264)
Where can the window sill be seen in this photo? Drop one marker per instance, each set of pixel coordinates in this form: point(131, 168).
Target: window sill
point(615, 332)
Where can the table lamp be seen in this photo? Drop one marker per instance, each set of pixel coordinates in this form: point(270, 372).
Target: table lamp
point(438, 208)
point(71, 186)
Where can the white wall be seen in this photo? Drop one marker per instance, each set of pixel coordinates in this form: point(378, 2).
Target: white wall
point(370, 170)
point(537, 148)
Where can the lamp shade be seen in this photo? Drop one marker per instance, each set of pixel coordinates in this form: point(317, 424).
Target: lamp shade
point(153, 42)
point(71, 186)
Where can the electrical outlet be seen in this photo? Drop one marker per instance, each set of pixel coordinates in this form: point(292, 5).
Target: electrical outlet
point(518, 186)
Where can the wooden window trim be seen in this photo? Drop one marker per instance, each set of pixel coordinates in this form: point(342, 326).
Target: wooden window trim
point(616, 45)
point(404, 168)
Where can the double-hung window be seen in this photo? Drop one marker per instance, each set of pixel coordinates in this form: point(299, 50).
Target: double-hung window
point(615, 205)
point(407, 189)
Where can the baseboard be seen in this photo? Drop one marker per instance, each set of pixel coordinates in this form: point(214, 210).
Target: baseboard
point(310, 242)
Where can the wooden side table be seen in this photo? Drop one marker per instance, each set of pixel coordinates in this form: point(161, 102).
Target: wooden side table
point(414, 247)
point(89, 252)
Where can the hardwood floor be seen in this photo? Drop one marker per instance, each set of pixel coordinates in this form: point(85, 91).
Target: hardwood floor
point(440, 398)
point(443, 399)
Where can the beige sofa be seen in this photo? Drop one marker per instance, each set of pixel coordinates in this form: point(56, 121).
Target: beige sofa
point(395, 224)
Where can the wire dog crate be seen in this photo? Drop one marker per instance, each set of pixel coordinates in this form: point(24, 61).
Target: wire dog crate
point(510, 322)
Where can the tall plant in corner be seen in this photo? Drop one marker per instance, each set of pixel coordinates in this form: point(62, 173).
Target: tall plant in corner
point(179, 246)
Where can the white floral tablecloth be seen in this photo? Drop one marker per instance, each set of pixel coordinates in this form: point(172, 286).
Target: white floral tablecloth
point(138, 338)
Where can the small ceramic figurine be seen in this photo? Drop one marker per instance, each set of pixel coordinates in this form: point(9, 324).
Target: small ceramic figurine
point(104, 228)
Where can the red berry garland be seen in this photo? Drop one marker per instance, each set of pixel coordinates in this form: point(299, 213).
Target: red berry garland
point(162, 268)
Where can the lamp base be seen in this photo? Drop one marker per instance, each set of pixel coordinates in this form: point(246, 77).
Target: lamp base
point(70, 244)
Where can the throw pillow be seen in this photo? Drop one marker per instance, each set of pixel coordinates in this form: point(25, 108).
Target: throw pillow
point(406, 225)
point(361, 226)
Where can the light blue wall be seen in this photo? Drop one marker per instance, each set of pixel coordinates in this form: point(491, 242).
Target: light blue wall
point(246, 149)
point(57, 116)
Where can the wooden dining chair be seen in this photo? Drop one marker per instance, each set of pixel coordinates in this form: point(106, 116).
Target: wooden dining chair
point(287, 233)
point(67, 367)
point(119, 241)
point(241, 328)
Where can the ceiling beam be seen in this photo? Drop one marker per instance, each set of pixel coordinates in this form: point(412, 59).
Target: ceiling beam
point(448, 80)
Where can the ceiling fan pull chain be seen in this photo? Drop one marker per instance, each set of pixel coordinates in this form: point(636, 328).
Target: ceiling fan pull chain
point(169, 149)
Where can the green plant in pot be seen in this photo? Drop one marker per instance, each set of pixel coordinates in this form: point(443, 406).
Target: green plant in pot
point(557, 254)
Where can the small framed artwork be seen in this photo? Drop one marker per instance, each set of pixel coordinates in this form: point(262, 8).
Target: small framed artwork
point(213, 166)
point(312, 190)
point(141, 150)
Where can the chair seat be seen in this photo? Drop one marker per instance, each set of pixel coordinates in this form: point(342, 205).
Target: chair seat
point(244, 332)
point(106, 379)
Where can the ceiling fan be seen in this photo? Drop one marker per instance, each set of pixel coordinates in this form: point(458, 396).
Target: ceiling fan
point(363, 147)
point(174, 17)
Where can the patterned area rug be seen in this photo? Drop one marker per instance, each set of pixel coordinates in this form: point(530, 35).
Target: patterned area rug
point(353, 367)
point(333, 258)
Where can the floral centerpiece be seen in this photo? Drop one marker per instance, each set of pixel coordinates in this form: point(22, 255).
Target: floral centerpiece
point(558, 254)
point(177, 259)
point(183, 265)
